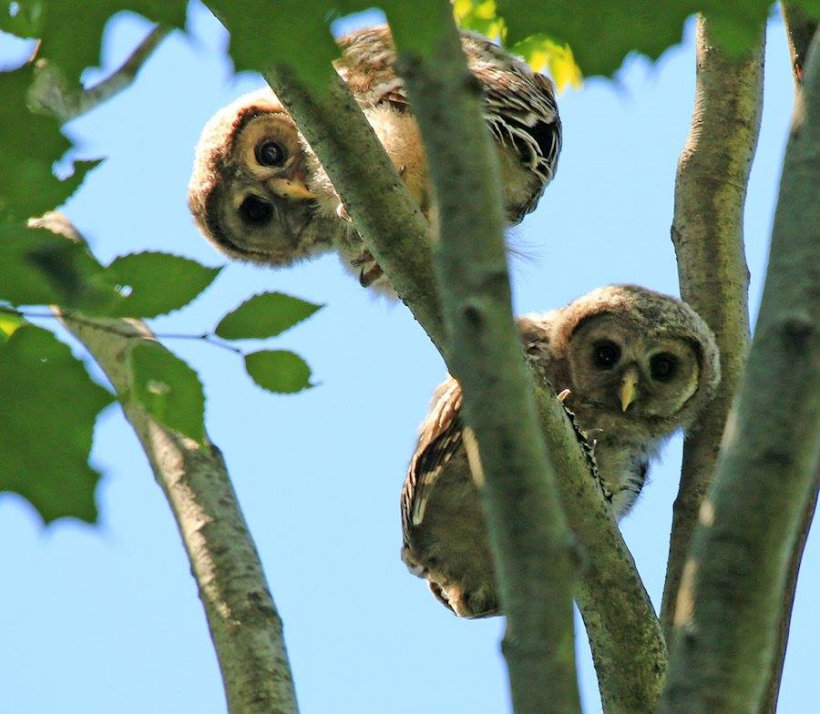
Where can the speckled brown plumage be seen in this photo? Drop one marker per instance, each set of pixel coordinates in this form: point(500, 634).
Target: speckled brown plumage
point(258, 192)
point(638, 365)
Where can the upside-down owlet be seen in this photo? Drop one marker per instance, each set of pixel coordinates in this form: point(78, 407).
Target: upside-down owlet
point(259, 193)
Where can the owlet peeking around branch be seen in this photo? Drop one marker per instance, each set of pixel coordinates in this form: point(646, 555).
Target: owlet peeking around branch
point(258, 192)
point(638, 365)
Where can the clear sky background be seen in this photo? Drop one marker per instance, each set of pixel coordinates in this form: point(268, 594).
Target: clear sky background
point(101, 619)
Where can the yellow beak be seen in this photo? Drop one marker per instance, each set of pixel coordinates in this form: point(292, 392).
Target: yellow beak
point(286, 188)
point(629, 388)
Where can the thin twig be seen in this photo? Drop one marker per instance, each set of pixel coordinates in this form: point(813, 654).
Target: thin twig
point(51, 93)
point(115, 327)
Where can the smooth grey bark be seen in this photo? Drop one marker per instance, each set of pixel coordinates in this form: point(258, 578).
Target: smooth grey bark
point(729, 605)
point(618, 615)
point(768, 703)
point(707, 232)
point(799, 31)
point(529, 539)
point(245, 626)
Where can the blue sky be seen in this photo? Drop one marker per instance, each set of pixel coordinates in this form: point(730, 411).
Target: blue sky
point(106, 618)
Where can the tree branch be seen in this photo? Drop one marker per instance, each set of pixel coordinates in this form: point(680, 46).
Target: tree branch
point(532, 551)
point(51, 94)
point(383, 211)
point(768, 704)
point(799, 30)
point(245, 626)
point(730, 601)
point(707, 231)
point(618, 615)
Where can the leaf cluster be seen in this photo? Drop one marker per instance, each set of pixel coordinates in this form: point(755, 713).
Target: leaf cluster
point(50, 402)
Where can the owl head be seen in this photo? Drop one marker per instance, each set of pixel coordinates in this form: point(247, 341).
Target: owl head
point(248, 191)
point(630, 354)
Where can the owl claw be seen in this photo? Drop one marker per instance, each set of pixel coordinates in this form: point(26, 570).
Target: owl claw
point(341, 211)
point(368, 276)
point(564, 395)
point(370, 271)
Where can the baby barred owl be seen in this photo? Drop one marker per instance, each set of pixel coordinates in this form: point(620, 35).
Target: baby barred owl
point(258, 192)
point(638, 365)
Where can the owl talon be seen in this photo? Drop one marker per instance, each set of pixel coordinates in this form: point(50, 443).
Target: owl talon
point(341, 211)
point(368, 276)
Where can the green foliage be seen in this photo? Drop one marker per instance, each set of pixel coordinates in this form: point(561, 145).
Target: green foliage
point(10, 322)
point(268, 315)
point(46, 421)
point(543, 54)
point(278, 371)
point(265, 315)
point(157, 283)
point(602, 33)
point(71, 33)
point(30, 144)
point(42, 382)
point(168, 389)
point(288, 26)
point(38, 267)
point(540, 51)
point(479, 16)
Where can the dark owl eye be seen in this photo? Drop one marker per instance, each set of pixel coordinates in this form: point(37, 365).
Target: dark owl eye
point(663, 366)
point(270, 153)
point(605, 354)
point(255, 211)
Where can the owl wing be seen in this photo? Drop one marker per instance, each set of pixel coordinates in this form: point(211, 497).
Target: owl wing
point(366, 66)
point(440, 437)
point(519, 104)
point(519, 108)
